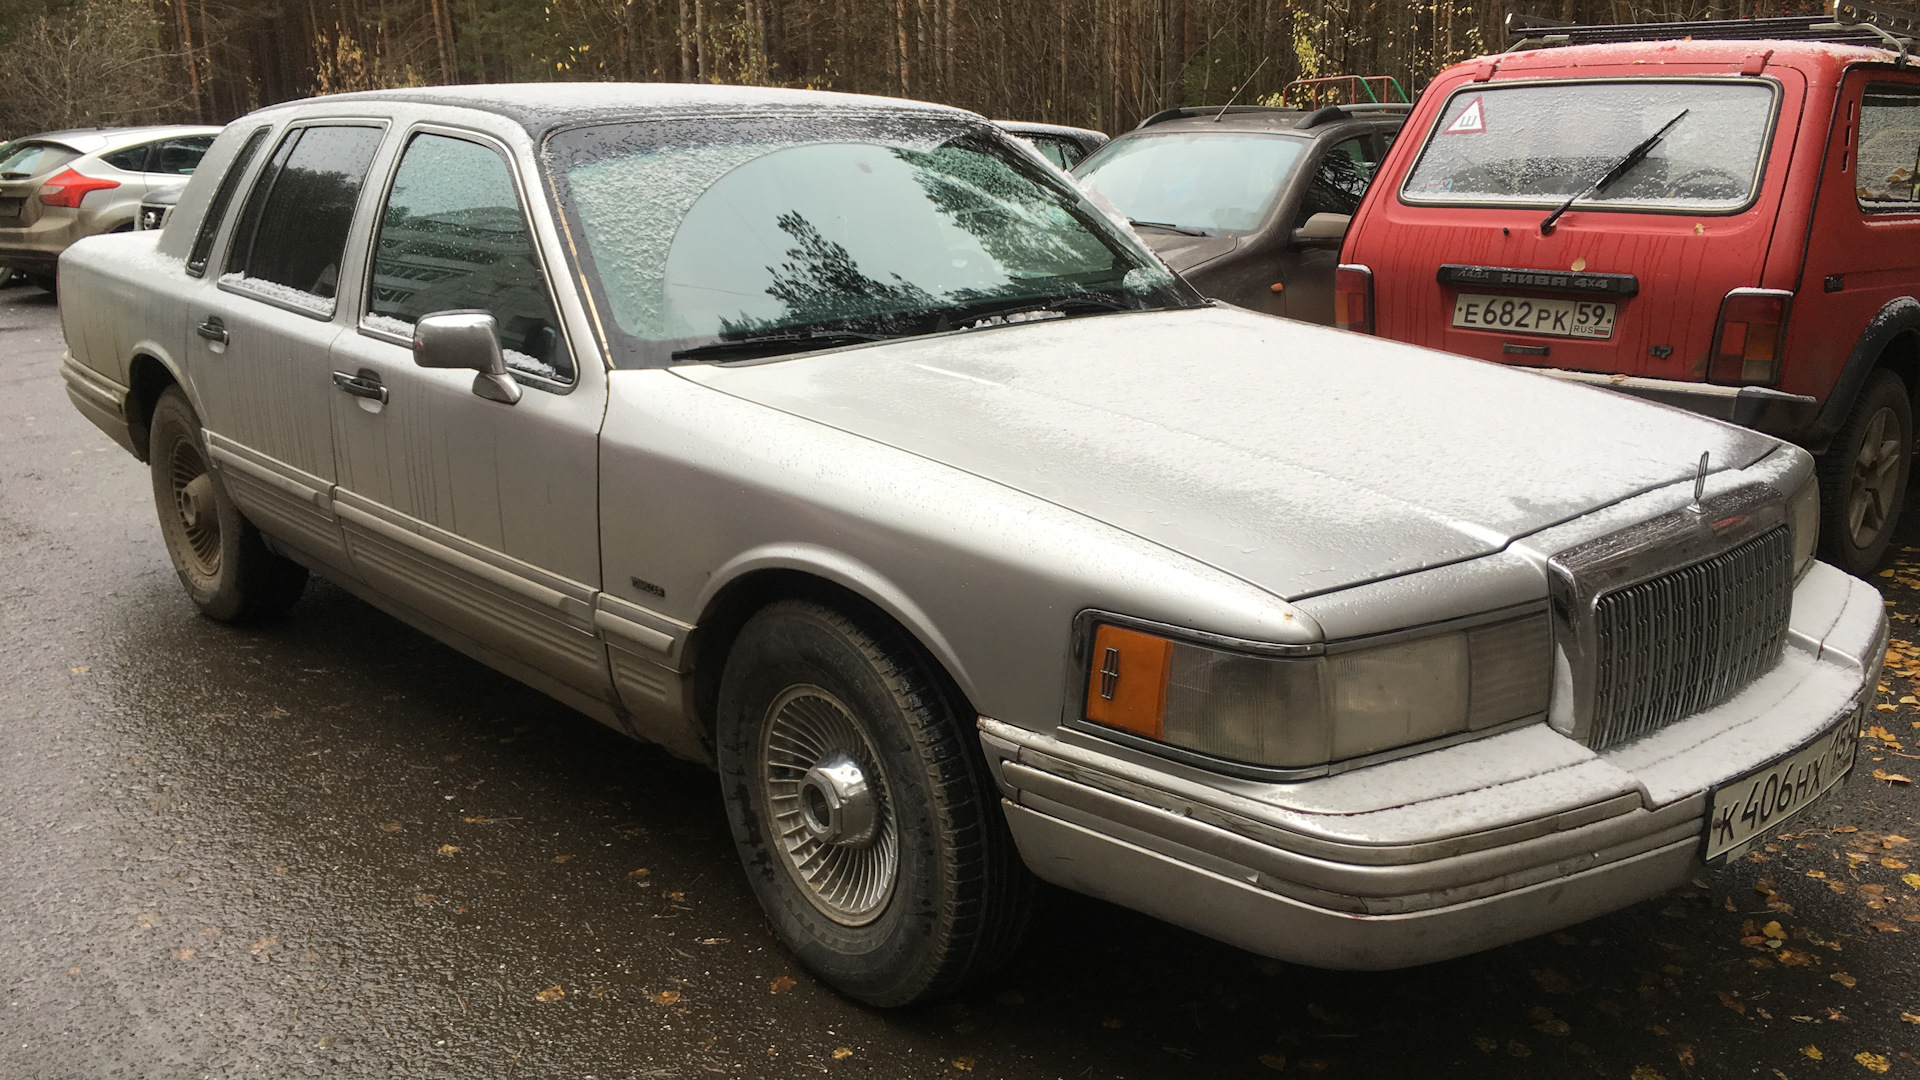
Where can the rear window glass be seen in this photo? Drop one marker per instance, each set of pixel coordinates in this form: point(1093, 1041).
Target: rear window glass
point(22, 160)
point(1222, 182)
point(1539, 144)
point(1889, 174)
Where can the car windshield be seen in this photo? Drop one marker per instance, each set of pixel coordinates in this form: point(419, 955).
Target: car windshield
point(735, 239)
point(1543, 143)
point(1214, 181)
point(23, 159)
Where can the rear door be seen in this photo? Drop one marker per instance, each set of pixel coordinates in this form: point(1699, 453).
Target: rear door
point(479, 514)
point(263, 328)
point(1341, 172)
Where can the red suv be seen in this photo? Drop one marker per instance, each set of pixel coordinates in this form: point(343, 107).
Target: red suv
point(1730, 226)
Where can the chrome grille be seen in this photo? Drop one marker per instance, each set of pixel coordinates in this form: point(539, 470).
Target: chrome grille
point(1689, 639)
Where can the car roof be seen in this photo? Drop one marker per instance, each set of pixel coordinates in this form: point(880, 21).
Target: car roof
point(90, 140)
point(1030, 128)
point(1805, 55)
point(542, 106)
point(1305, 123)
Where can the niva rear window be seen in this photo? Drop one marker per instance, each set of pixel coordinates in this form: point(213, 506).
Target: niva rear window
point(1539, 144)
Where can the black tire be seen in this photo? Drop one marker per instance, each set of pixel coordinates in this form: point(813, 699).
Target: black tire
point(44, 282)
point(222, 562)
point(1863, 476)
point(958, 898)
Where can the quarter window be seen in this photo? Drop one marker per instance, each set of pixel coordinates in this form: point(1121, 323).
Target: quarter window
point(453, 238)
point(293, 230)
point(132, 159)
point(1888, 175)
point(222, 197)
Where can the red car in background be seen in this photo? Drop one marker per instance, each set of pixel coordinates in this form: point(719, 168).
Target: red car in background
point(1730, 226)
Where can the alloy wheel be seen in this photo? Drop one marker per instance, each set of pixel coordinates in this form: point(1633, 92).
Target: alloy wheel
point(194, 501)
point(1874, 479)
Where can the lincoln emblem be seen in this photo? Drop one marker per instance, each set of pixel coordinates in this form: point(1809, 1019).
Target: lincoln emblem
point(1109, 673)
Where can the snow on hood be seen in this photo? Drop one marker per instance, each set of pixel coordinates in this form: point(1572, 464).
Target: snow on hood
point(1298, 458)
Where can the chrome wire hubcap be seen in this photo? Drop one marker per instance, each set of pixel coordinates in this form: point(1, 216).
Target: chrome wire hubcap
point(193, 500)
point(826, 799)
point(1876, 476)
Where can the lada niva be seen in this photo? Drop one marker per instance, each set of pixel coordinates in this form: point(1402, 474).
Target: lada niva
point(1729, 226)
point(843, 444)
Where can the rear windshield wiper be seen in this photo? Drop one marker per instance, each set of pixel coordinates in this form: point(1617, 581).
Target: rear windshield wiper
point(1619, 169)
point(746, 348)
point(1181, 229)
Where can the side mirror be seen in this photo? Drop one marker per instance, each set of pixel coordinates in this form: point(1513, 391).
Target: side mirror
point(1322, 232)
point(470, 340)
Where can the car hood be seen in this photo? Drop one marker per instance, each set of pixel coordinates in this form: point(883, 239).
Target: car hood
point(1297, 458)
point(1182, 252)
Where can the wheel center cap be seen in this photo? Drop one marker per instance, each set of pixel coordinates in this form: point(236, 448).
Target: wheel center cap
point(836, 805)
point(198, 504)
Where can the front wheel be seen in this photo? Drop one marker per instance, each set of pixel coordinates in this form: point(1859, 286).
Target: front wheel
point(1863, 477)
point(868, 825)
point(224, 565)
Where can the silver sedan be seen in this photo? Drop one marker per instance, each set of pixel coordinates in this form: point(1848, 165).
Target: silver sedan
point(840, 443)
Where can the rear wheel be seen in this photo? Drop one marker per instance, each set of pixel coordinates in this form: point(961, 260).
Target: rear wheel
point(868, 825)
point(1863, 477)
point(224, 565)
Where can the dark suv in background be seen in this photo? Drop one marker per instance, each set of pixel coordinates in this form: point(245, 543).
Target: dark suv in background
point(1248, 202)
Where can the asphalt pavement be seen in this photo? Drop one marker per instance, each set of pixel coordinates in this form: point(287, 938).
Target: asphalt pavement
point(333, 847)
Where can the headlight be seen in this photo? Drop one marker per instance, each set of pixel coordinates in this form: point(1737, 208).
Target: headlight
point(1803, 511)
point(1303, 711)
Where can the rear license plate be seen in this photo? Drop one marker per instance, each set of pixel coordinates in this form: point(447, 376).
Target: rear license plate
point(10, 208)
point(1528, 315)
point(1741, 812)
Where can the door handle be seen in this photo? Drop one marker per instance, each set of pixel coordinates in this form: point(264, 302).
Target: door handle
point(364, 385)
point(214, 329)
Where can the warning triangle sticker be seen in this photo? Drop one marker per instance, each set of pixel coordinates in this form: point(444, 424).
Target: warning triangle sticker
point(1471, 122)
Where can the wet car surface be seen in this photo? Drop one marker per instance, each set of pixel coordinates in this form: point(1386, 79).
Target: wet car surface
point(330, 846)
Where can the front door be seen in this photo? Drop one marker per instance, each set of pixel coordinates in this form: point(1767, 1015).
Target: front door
point(1340, 177)
point(480, 515)
point(263, 330)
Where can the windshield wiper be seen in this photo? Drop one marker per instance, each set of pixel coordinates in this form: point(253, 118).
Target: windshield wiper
point(1619, 169)
point(1181, 229)
point(744, 348)
point(1058, 304)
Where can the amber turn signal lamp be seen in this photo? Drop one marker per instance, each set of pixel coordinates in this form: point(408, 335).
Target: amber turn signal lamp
point(1127, 681)
point(1750, 337)
point(1353, 298)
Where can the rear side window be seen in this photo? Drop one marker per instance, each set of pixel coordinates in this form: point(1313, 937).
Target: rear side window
point(21, 160)
point(132, 159)
point(1537, 144)
point(1888, 177)
point(1340, 181)
point(453, 238)
point(293, 229)
point(179, 157)
point(222, 198)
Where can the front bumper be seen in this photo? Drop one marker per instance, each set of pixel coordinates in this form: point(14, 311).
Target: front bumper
point(1780, 414)
point(1439, 854)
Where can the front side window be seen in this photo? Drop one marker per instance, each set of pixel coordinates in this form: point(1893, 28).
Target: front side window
point(1340, 181)
point(1222, 182)
point(1888, 175)
point(222, 198)
point(723, 240)
point(453, 238)
point(1539, 144)
point(293, 229)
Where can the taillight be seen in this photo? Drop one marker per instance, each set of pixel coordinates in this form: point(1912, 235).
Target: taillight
point(1750, 336)
point(67, 188)
point(1353, 298)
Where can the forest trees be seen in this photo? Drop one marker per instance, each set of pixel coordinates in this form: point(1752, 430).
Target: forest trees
point(1094, 63)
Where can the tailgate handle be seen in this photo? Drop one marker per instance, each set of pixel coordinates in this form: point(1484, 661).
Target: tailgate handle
point(365, 385)
point(214, 329)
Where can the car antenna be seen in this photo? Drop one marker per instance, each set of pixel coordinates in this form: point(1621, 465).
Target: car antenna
point(1242, 86)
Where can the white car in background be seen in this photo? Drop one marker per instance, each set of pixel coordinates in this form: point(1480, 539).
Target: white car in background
point(59, 186)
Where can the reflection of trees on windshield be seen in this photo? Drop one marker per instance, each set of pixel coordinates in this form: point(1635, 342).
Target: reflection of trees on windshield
point(821, 282)
point(1026, 232)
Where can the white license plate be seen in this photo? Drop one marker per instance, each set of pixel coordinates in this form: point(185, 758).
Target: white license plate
point(1741, 812)
point(1531, 315)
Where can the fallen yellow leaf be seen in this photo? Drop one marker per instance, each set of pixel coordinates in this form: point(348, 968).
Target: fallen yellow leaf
point(1892, 863)
point(1912, 880)
point(82, 669)
point(562, 858)
point(1843, 979)
point(1890, 777)
point(184, 954)
point(1911, 1018)
point(391, 826)
point(842, 1053)
point(783, 984)
point(964, 1064)
point(1773, 930)
point(666, 997)
point(642, 872)
point(551, 993)
point(1648, 1072)
point(1873, 1063)
point(449, 849)
point(1276, 1062)
point(1813, 1052)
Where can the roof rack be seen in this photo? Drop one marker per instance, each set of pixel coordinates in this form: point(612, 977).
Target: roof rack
point(1359, 90)
point(1849, 22)
point(1208, 110)
point(1328, 114)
